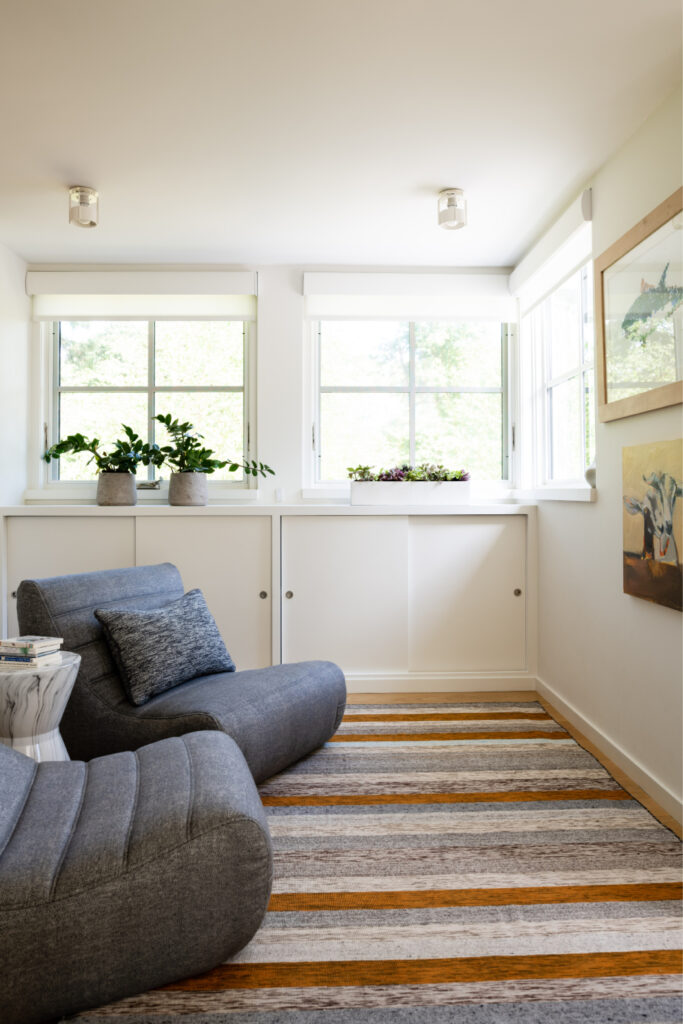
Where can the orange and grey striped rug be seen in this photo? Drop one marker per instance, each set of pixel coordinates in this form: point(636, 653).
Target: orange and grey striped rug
point(467, 863)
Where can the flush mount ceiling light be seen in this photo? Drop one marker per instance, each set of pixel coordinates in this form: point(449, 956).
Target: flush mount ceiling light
point(452, 208)
point(84, 206)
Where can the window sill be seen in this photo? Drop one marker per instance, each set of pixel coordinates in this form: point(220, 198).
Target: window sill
point(84, 494)
point(339, 494)
point(577, 493)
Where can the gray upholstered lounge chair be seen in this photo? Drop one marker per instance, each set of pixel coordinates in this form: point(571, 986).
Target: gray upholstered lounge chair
point(125, 873)
point(276, 715)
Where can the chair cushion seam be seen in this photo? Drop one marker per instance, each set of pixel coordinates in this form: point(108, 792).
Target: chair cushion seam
point(67, 842)
point(129, 832)
point(190, 795)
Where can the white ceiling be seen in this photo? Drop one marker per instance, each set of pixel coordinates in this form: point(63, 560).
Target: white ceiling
point(315, 131)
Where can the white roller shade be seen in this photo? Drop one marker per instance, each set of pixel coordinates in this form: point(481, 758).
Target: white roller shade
point(565, 247)
point(61, 295)
point(471, 296)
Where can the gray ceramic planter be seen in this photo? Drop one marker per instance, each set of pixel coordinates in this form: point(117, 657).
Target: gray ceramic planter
point(116, 489)
point(188, 489)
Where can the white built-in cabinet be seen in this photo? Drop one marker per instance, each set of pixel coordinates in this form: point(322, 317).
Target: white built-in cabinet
point(397, 594)
point(423, 598)
point(229, 559)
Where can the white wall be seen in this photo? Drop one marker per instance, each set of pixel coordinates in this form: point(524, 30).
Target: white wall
point(14, 362)
point(280, 379)
point(617, 660)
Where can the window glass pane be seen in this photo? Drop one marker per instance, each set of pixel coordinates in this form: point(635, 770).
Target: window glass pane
point(589, 413)
point(364, 353)
point(564, 326)
point(566, 431)
point(103, 354)
point(199, 353)
point(99, 415)
point(458, 355)
point(588, 318)
point(463, 431)
point(362, 429)
point(218, 416)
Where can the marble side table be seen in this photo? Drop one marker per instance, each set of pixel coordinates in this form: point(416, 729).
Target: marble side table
point(32, 702)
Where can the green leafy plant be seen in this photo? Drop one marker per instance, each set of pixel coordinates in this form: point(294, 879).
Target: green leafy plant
point(125, 456)
point(187, 454)
point(405, 473)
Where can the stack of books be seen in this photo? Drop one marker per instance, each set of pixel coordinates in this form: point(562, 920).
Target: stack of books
point(29, 651)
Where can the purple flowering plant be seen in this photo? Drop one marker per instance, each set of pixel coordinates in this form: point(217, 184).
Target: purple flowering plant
point(406, 472)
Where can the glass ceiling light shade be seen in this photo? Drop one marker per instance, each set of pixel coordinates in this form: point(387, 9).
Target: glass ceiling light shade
point(452, 208)
point(84, 206)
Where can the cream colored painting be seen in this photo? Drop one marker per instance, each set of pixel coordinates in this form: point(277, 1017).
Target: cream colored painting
point(653, 522)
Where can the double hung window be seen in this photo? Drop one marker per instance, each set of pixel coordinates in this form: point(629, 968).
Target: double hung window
point(558, 334)
point(109, 372)
point(394, 391)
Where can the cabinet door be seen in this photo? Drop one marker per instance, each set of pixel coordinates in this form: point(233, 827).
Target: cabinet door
point(464, 614)
point(228, 558)
point(348, 576)
point(43, 546)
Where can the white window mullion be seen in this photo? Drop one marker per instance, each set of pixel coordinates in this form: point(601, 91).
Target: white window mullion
point(151, 398)
point(411, 393)
point(55, 402)
point(249, 410)
point(506, 424)
point(316, 447)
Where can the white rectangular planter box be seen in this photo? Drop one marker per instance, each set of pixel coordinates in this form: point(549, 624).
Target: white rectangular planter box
point(411, 492)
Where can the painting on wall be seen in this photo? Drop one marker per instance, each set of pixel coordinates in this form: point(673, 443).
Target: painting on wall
point(639, 315)
point(653, 522)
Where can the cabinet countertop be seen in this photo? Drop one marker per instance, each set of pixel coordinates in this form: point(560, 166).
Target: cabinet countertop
point(237, 509)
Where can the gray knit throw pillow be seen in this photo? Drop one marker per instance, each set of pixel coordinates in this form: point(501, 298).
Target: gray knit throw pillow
point(158, 649)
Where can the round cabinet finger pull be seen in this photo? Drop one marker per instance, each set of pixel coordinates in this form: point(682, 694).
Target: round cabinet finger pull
point(517, 592)
point(263, 595)
point(289, 593)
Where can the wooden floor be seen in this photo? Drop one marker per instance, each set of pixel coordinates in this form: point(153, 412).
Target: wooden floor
point(621, 777)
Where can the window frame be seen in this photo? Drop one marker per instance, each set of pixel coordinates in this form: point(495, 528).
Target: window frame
point(539, 385)
point(508, 331)
point(47, 479)
point(582, 371)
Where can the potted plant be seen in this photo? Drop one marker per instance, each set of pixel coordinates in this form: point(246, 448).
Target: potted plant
point(191, 462)
point(426, 484)
point(116, 468)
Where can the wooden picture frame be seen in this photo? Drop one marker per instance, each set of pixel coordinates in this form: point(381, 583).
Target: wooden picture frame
point(613, 262)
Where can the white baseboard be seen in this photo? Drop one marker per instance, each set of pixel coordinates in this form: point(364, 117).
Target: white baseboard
point(636, 771)
point(438, 682)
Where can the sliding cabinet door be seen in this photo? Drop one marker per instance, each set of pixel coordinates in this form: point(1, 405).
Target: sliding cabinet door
point(467, 593)
point(345, 591)
point(228, 558)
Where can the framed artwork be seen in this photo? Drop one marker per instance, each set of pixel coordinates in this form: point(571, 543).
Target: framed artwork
point(639, 315)
point(653, 518)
